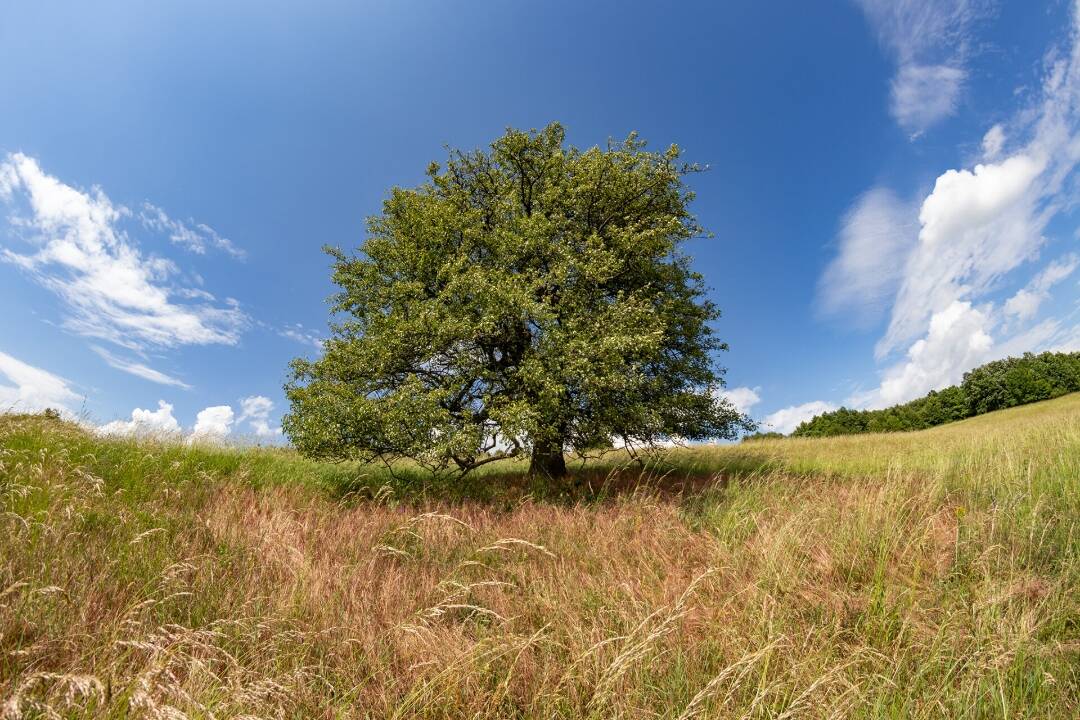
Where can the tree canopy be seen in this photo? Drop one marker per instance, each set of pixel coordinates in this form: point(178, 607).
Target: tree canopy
point(527, 298)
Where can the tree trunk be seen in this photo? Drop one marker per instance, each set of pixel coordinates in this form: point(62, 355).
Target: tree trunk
point(548, 460)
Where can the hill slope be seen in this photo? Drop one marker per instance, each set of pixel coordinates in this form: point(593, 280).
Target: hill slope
point(922, 574)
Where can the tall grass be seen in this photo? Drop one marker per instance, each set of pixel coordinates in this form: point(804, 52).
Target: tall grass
point(925, 575)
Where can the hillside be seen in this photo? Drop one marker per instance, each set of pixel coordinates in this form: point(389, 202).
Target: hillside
point(924, 574)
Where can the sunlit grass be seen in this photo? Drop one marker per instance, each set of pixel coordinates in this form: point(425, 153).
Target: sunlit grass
point(930, 574)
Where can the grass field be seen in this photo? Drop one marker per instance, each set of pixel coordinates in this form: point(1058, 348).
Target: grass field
point(921, 575)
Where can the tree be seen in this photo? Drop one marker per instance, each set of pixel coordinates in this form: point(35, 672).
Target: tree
point(531, 298)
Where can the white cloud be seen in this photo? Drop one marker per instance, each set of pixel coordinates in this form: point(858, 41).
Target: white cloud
point(1064, 340)
point(789, 418)
point(1050, 334)
point(31, 389)
point(957, 340)
point(1055, 272)
point(196, 237)
point(924, 94)
point(112, 290)
point(976, 226)
point(256, 410)
point(8, 180)
point(743, 398)
point(929, 41)
point(213, 423)
point(138, 369)
point(1025, 304)
point(157, 423)
point(301, 334)
point(876, 236)
point(993, 141)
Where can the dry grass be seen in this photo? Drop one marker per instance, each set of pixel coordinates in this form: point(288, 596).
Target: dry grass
point(930, 574)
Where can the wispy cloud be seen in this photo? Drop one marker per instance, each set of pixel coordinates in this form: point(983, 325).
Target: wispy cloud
point(31, 389)
point(973, 233)
point(876, 236)
point(993, 141)
point(303, 335)
point(138, 369)
point(922, 95)
point(1025, 303)
point(929, 41)
point(110, 288)
point(194, 236)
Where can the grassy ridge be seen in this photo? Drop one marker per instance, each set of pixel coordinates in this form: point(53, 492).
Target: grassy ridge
point(928, 574)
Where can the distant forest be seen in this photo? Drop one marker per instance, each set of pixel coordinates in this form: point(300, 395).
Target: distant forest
point(994, 386)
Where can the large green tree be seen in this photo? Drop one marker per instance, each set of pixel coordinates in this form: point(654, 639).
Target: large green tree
point(529, 298)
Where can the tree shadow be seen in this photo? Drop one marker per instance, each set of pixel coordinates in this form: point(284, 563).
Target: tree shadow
point(596, 483)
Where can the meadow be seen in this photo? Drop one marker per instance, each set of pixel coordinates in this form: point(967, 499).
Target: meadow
point(927, 574)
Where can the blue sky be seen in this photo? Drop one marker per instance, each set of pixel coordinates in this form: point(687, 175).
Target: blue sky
point(892, 183)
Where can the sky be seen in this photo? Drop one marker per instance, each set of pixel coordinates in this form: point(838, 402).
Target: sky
point(892, 187)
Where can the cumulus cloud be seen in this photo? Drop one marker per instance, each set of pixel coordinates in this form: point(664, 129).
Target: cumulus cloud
point(743, 398)
point(957, 340)
point(789, 418)
point(194, 236)
point(111, 290)
point(213, 423)
point(30, 389)
point(977, 225)
point(929, 41)
point(138, 369)
point(155, 423)
point(256, 411)
point(876, 236)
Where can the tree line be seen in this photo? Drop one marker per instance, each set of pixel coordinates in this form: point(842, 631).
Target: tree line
point(994, 386)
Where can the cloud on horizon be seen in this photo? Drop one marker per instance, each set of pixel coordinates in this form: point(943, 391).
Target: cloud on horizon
point(212, 424)
point(256, 411)
point(787, 419)
point(153, 423)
